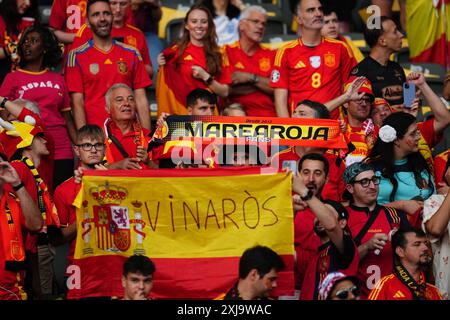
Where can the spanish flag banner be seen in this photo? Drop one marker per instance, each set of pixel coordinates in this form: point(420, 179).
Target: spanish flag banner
point(194, 224)
point(428, 30)
point(252, 130)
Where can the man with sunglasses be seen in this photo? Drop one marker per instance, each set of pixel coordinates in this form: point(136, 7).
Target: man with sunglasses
point(371, 225)
point(90, 150)
point(337, 250)
point(411, 258)
point(251, 65)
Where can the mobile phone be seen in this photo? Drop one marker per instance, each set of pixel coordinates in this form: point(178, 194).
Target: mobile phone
point(409, 94)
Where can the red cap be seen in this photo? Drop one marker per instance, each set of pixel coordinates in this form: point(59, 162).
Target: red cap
point(20, 137)
point(366, 86)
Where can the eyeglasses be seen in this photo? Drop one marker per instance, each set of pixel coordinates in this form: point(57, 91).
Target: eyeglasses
point(254, 21)
point(343, 293)
point(365, 101)
point(88, 146)
point(366, 181)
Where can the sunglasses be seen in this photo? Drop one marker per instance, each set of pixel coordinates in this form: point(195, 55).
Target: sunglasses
point(343, 293)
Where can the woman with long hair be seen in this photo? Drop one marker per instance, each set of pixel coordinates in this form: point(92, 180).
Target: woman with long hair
point(39, 52)
point(195, 61)
point(406, 179)
point(15, 16)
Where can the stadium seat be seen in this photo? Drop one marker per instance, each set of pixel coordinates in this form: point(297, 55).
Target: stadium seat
point(276, 41)
point(275, 25)
point(434, 73)
point(173, 30)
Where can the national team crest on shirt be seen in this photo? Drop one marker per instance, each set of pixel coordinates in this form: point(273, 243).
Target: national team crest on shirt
point(132, 41)
point(330, 59)
point(122, 67)
point(315, 61)
point(94, 68)
point(275, 76)
point(264, 64)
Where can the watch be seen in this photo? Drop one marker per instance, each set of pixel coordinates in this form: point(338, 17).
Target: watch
point(255, 78)
point(308, 195)
point(209, 80)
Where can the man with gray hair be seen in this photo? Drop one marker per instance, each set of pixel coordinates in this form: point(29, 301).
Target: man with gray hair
point(251, 64)
point(126, 140)
point(371, 224)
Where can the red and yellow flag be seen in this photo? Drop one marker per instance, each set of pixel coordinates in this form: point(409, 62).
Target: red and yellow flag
point(194, 224)
point(428, 30)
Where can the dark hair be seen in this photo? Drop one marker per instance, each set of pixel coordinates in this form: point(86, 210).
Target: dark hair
point(231, 10)
point(315, 157)
point(399, 237)
point(382, 154)
point(91, 2)
point(91, 131)
point(295, 6)
point(212, 52)
point(328, 10)
point(52, 51)
point(200, 94)
point(321, 112)
point(261, 258)
point(12, 18)
point(138, 264)
point(372, 35)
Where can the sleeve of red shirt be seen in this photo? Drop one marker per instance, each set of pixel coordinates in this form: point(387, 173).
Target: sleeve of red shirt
point(347, 62)
point(65, 106)
point(58, 15)
point(280, 72)
point(426, 128)
point(73, 77)
point(144, 53)
point(141, 78)
point(65, 210)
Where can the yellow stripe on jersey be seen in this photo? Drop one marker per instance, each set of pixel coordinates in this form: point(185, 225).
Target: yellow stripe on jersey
point(72, 57)
point(133, 27)
point(81, 30)
point(280, 52)
point(394, 215)
point(376, 291)
point(346, 46)
point(129, 47)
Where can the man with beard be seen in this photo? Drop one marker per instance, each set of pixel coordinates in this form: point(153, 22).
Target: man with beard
point(407, 282)
point(337, 252)
point(371, 224)
point(313, 168)
point(311, 67)
point(98, 64)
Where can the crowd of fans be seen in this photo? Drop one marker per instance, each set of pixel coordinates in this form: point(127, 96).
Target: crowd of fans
point(370, 222)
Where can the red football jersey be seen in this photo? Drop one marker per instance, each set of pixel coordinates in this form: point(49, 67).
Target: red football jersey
point(333, 189)
point(92, 71)
point(315, 73)
point(65, 194)
point(392, 288)
point(127, 34)
point(373, 267)
point(258, 103)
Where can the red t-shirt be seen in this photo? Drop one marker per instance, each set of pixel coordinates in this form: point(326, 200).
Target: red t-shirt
point(328, 259)
point(48, 89)
point(392, 288)
point(373, 267)
point(126, 140)
point(127, 34)
point(315, 73)
point(92, 71)
point(335, 186)
point(258, 103)
point(65, 194)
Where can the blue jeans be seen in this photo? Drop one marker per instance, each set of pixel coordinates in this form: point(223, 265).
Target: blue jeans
point(155, 46)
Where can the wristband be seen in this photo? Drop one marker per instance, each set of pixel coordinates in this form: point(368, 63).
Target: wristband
point(19, 186)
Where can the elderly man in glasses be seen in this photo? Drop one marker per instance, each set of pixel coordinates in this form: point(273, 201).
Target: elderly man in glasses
point(371, 224)
point(251, 65)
